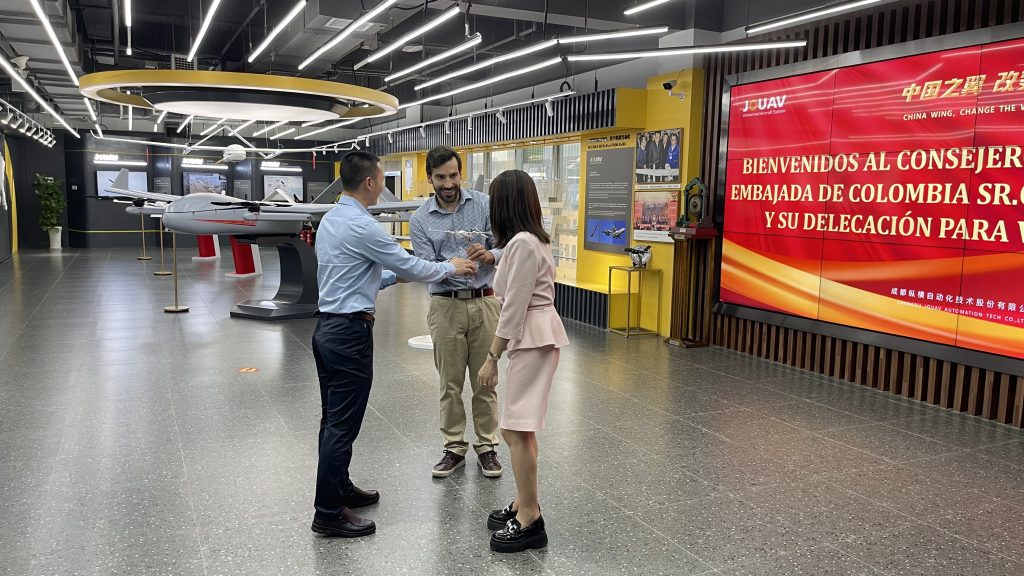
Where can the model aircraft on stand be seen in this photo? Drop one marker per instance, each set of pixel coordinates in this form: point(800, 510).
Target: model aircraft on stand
point(274, 223)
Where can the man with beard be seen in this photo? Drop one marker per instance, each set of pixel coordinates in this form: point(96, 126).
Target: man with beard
point(463, 311)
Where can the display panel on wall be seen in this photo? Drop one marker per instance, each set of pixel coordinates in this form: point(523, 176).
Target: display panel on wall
point(607, 208)
point(886, 196)
point(290, 185)
point(204, 182)
point(136, 181)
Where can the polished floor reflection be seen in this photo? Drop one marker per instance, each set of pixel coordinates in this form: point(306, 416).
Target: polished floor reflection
point(136, 442)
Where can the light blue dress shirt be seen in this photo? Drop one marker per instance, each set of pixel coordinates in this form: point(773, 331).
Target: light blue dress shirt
point(429, 230)
point(356, 259)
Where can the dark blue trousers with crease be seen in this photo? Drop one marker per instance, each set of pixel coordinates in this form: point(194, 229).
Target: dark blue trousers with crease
point(343, 349)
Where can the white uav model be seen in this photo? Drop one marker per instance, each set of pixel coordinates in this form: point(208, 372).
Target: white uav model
point(219, 214)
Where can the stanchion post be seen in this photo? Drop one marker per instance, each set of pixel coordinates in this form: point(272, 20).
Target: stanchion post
point(163, 269)
point(142, 222)
point(174, 264)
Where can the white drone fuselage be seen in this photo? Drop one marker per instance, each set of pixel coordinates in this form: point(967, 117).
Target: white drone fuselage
point(199, 214)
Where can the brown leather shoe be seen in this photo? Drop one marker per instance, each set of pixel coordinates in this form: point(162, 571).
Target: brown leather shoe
point(489, 464)
point(449, 462)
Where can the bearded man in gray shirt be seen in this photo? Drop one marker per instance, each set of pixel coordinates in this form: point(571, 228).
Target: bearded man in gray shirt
point(463, 311)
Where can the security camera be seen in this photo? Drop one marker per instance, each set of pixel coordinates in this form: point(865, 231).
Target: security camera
point(668, 86)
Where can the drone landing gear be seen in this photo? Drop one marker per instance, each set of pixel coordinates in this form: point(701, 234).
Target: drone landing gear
point(297, 296)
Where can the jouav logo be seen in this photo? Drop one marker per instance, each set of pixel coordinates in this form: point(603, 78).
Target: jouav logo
point(764, 104)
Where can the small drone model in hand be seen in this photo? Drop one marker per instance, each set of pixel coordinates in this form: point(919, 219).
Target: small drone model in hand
point(467, 235)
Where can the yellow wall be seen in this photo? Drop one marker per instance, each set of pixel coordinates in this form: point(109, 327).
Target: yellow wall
point(642, 110)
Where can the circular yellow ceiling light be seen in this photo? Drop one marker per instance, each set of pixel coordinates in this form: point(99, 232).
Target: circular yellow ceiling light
point(237, 96)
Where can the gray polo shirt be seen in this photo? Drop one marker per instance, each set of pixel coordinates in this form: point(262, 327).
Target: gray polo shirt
point(428, 229)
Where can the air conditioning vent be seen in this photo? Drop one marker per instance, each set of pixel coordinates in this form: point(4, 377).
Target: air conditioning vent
point(180, 62)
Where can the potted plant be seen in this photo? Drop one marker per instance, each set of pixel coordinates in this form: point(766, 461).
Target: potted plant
point(52, 203)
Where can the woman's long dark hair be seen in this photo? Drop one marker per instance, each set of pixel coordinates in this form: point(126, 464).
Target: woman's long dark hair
point(515, 207)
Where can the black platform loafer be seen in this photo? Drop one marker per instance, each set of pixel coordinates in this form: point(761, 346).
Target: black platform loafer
point(359, 497)
point(345, 525)
point(498, 518)
point(515, 538)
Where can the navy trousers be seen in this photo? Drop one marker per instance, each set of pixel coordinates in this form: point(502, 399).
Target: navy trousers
point(343, 349)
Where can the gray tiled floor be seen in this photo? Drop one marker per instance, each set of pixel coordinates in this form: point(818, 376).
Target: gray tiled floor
point(130, 443)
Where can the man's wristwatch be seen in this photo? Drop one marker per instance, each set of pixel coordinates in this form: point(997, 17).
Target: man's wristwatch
point(494, 356)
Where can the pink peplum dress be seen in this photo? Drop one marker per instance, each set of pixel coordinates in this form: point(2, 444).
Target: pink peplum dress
point(525, 285)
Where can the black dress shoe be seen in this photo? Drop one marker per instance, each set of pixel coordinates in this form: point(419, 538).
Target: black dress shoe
point(515, 538)
point(498, 518)
point(359, 497)
point(345, 525)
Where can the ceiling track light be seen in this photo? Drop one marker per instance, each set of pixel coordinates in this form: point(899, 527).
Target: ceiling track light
point(686, 51)
point(486, 82)
point(644, 6)
point(203, 29)
point(809, 15)
point(391, 139)
point(469, 123)
point(500, 115)
point(447, 127)
point(45, 21)
point(10, 114)
point(355, 25)
point(471, 42)
point(17, 122)
point(423, 131)
point(549, 108)
point(266, 129)
point(16, 76)
point(415, 33)
point(278, 29)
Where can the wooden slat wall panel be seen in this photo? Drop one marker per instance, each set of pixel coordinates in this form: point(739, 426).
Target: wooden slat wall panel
point(986, 393)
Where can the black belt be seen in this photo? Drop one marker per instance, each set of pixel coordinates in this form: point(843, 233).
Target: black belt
point(465, 294)
point(360, 315)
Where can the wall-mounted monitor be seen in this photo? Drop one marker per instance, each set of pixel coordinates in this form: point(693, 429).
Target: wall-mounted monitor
point(204, 182)
point(291, 186)
point(136, 181)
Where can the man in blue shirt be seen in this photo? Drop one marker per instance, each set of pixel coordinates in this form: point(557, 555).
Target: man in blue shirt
point(355, 258)
point(463, 311)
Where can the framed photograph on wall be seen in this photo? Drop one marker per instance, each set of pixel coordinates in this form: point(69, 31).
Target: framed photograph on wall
point(289, 185)
point(204, 182)
point(657, 158)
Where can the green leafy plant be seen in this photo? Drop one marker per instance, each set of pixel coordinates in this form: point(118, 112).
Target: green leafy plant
point(51, 199)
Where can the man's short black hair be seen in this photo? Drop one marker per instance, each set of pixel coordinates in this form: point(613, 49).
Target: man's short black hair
point(439, 156)
point(356, 167)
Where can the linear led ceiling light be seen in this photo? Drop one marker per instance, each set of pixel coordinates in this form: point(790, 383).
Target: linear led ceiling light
point(266, 129)
point(809, 15)
point(644, 6)
point(45, 20)
point(16, 76)
point(313, 122)
point(497, 59)
point(284, 133)
point(278, 29)
point(612, 35)
point(355, 25)
point(406, 38)
point(541, 46)
point(99, 129)
point(202, 31)
point(331, 127)
point(185, 123)
point(473, 41)
point(88, 107)
point(128, 25)
point(212, 128)
point(486, 82)
point(686, 51)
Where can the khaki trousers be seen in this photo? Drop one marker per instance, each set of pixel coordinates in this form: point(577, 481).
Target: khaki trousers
point(462, 332)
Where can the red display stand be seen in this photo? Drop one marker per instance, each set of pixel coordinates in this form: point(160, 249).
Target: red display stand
point(209, 247)
point(247, 260)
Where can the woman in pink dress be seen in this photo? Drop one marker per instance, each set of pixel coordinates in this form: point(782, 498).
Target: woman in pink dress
point(530, 329)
